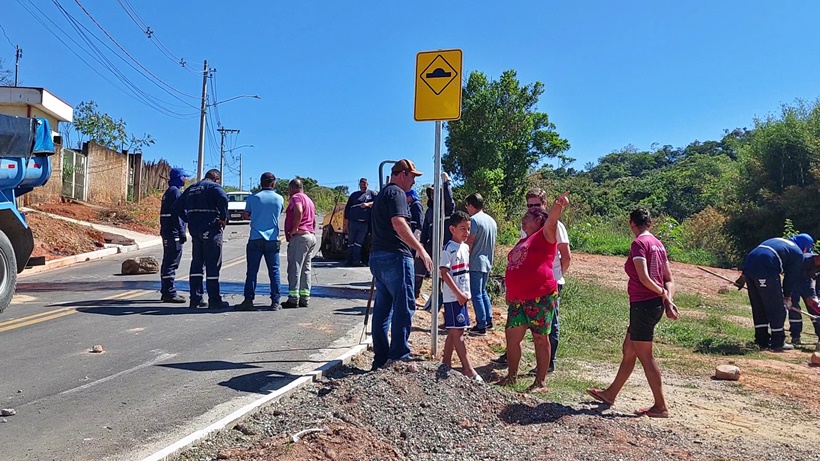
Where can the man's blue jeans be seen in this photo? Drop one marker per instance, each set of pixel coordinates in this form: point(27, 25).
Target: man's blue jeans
point(481, 299)
point(394, 306)
point(254, 252)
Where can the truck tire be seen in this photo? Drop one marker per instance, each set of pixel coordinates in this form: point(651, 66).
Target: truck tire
point(8, 272)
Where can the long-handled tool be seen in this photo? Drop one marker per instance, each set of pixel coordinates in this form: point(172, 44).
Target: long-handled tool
point(367, 311)
point(790, 308)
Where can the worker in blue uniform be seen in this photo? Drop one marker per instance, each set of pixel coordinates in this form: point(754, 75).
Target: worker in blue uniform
point(172, 231)
point(357, 221)
point(770, 299)
point(808, 290)
point(204, 205)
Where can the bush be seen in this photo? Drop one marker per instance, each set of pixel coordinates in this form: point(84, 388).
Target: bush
point(602, 236)
point(705, 232)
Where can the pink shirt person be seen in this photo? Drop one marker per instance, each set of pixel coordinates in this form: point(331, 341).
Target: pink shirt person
point(308, 222)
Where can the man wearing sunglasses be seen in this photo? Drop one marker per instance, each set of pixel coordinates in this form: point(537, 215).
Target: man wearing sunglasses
point(537, 198)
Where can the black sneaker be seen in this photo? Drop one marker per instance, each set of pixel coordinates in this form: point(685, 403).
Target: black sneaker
point(275, 306)
point(303, 302)
point(176, 299)
point(501, 359)
point(291, 303)
point(246, 305)
point(489, 325)
point(475, 331)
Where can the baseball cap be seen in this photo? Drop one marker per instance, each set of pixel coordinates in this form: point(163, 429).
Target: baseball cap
point(179, 173)
point(405, 165)
point(267, 178)
point(804, 241)
point(412, 193)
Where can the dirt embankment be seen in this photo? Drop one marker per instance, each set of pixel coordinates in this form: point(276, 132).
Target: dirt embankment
point(140, 217)
point(56, 238)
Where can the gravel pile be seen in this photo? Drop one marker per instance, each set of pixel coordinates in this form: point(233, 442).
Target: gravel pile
point(412, 410)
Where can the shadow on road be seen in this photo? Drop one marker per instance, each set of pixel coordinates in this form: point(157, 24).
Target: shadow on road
point(260, 382)
point(226, 288)
point(359, 310)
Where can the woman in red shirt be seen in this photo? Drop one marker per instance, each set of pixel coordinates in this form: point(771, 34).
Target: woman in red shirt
point(650, 290)
point(532, 290)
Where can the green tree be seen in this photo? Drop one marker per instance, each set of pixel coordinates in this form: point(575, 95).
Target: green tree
point(779, 176)
point(500, 138)
point(92, 125)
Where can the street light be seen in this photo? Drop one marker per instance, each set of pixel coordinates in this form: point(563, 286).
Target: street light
point(201, 154)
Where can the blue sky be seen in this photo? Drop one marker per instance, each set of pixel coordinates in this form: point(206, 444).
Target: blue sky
point(336, 78)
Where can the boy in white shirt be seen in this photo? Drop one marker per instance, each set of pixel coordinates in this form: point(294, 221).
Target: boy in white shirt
point(455, 272)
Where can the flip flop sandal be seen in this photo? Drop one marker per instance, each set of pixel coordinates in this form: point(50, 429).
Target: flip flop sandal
point(596, 394)
point(652, 413)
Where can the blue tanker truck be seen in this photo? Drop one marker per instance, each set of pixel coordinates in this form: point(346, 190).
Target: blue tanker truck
point(26, 147)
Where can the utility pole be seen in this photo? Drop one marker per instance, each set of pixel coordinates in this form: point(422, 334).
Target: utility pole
point(240, 171)
point(17, 55)
point(201, 154)
point(222, 131)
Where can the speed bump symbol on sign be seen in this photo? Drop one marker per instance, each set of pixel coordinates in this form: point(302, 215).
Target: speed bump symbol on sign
point(438, 85)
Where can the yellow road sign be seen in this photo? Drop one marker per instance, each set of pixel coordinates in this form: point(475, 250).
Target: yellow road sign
point(438, 85)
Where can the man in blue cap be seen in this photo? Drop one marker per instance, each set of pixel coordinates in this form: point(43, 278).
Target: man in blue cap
point(172, 231)
point(769, 298)
point(204, 206)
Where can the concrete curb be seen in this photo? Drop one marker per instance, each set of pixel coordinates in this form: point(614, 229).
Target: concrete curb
point(303, 380)
point(90, 256)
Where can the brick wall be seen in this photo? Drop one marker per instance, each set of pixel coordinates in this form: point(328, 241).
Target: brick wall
point(107, 175)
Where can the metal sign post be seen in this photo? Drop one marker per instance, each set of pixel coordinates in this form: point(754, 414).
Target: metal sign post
point(437, 98)
point(435, 296)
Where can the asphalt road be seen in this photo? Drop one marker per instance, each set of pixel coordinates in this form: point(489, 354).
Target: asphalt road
point(166, 370)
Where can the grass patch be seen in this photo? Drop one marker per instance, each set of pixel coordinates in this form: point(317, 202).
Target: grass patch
point(594, 321)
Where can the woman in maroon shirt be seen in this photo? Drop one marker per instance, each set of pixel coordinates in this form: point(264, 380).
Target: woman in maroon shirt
point(532, 290)
point(650, 290)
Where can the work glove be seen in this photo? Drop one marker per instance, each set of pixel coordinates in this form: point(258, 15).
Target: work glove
point(183, 238)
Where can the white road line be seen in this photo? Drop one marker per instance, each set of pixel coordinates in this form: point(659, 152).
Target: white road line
point(149, 363)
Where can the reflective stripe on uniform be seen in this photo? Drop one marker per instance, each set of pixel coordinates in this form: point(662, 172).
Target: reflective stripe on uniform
point(776, 329)
point(765, 325)
point(775, 253)
point(195, 275)
point(796, 321)
point(166, 216)
point(212, 278)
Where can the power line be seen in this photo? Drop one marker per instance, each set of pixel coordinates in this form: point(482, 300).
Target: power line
point(112, 68)
point(152, 36)
point(127, 53)
point(101, 58)
point(131, 90)
point(7, 37)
